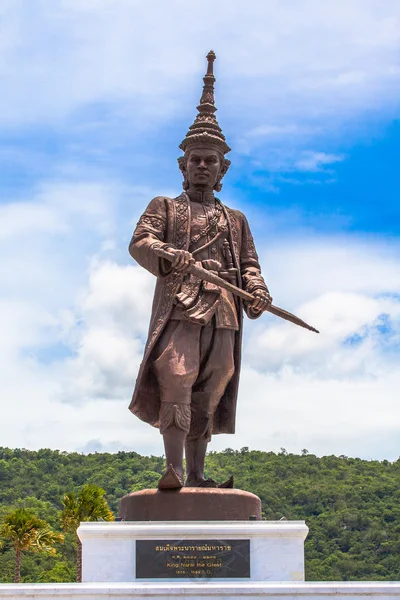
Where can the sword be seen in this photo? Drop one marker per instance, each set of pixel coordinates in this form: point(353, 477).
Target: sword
point(202, 273)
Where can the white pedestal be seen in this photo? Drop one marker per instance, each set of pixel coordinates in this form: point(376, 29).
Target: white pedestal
point(276, 547)
point(349, 590)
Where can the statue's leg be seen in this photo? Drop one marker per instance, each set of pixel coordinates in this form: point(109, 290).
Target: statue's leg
point(176, 368)
point(216, 369)
point(195, 453)
point(174, 443)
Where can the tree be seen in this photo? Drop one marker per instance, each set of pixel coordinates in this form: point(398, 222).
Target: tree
point(352, 506)
point(27, 532)
point(88, 505)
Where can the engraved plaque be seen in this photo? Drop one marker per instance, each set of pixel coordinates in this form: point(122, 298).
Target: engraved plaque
point(194, 559)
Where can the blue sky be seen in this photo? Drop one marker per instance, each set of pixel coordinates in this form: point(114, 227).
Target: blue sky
point(96, 98)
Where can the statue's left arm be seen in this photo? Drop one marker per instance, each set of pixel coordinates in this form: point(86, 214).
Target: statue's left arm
point(252, 280)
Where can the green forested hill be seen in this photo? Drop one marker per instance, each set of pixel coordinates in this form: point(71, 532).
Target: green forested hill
point(351, 506)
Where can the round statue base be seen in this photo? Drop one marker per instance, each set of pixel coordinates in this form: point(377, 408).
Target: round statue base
point(190, 504)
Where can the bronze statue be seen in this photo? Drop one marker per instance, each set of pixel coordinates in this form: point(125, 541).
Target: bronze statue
point(205, 261)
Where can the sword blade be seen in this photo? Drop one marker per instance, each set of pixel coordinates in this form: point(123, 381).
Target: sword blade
point(216, 280)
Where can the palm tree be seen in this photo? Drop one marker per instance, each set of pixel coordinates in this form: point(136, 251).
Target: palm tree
point(88, 505)
point(27, 532)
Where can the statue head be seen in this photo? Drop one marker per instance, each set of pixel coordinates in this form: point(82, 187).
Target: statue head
point(203, 167)
point(203, 164)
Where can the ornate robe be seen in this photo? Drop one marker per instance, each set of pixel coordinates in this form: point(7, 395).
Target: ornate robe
point(168, 220)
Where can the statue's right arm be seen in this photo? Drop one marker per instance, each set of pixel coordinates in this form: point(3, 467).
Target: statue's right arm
point(150, 233)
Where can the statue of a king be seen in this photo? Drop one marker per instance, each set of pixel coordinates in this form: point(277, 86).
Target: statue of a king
point(188, 380)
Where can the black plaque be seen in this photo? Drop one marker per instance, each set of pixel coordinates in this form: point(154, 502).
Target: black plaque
point(193, 559)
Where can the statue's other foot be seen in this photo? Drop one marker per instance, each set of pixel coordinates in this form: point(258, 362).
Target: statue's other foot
point(201, 482)
point(171, 480)
point(227, 484)
point(208, 483)
point(194, 481)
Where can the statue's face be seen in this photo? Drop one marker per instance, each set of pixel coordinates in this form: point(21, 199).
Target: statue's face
point(203, 166)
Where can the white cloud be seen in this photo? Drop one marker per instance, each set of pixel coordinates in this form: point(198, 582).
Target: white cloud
point(282, 163)
point(285, 131)
point(58, 303)
point(350, 344)
point(326, 416)
point(278, 60)
point(114, 314)
point(298, 269)
point(316, 161)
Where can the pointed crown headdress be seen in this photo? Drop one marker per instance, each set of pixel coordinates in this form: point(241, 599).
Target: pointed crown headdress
point(205, 129)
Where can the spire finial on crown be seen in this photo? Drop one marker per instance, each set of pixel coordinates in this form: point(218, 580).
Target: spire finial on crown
point(205, 129)
point(211, 56)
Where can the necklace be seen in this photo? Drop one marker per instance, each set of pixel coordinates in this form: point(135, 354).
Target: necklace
point(213, 220)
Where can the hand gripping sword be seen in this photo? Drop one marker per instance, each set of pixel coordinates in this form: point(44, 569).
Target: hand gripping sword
point(216, 280)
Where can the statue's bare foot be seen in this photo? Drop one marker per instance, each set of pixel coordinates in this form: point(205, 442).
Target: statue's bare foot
point(171, 480)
